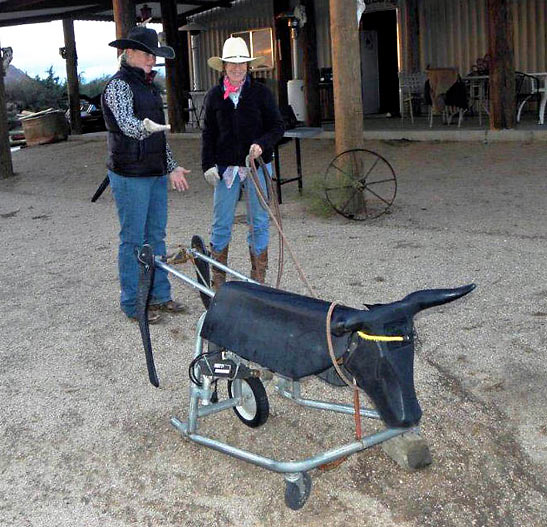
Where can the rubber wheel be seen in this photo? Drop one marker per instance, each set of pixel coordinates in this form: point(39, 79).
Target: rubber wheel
point(360, 184)
point(255, 408)
point(297, 494)
point(203, 269)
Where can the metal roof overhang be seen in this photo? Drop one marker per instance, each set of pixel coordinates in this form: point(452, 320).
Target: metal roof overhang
point(17, 12)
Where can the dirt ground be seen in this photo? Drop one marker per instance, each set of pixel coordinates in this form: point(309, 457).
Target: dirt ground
point(87, 441)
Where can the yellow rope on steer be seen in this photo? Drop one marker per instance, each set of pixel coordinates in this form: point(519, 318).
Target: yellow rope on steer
point(381, 338)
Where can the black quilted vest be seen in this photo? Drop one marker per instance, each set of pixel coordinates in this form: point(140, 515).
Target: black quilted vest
point(131, 157)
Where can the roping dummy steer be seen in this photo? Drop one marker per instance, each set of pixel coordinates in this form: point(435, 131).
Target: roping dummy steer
point(256, 331)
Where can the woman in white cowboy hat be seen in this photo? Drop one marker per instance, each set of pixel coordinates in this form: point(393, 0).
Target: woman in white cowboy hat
point(241, 119)
point(140, 164)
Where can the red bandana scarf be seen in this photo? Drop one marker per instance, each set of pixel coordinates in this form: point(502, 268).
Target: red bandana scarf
point(229, 88)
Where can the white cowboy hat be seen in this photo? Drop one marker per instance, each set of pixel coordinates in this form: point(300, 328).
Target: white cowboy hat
point(235, 50)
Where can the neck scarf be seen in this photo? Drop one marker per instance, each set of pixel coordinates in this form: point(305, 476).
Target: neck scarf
point(230, 88)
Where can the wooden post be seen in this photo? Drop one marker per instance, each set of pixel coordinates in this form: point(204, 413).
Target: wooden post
point(6, 167)
point(412, 45)
point(346, 70)
point(72, 77)
point(174, 71)
point(311, 70)
point(124, 16)
point(283, 69)
point(502, 68)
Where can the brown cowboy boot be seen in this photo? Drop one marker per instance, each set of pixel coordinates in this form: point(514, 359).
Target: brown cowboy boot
point(259, 264)
point(219, 277)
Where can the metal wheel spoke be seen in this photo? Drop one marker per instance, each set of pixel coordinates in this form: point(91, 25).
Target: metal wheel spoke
point(379, 181)
point(369, 171)
point(378, 196)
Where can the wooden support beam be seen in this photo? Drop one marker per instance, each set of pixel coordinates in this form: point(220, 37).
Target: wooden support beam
point(311, 70)
point(72, 77)
point(176, 75)
point(125, 17)
point(282, 42)
point(502, 68)
point(6, 167)
point(412, 44)
point(346, 70)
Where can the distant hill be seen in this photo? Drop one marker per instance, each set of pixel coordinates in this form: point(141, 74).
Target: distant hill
point(15, 76)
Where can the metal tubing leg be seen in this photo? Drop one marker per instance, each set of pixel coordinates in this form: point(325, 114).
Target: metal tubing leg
point(304, 465)
point(293, 393)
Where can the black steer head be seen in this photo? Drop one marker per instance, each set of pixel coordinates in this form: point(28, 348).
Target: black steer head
point(381, 352)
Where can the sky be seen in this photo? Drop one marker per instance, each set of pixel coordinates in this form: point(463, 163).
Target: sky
point(36, 48)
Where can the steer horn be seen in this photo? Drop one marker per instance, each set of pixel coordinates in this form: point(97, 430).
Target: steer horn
point(411, 304)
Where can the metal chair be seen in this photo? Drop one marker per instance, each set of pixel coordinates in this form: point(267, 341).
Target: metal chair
point(411, 88)
point(527, 88)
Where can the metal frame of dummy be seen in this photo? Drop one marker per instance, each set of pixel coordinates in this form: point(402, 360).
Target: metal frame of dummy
point(294, 471)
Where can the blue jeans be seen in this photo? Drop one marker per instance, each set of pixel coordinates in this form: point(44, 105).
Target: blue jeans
point(142, 210)
point(224, 209)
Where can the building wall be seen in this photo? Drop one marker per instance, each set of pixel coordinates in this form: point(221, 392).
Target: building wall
point(220, 23)
point(454, 33)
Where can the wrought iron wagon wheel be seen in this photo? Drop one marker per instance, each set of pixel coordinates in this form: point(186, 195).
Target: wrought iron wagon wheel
point(360, 184)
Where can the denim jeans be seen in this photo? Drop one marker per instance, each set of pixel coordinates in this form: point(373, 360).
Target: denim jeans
point(142, 210)
point(224, 209)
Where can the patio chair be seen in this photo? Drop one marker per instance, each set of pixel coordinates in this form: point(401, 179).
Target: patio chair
point(527, 89)
point(411, 87)
point(446, 95)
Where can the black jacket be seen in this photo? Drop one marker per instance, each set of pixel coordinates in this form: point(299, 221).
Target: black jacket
point(128, 156)
point(228, 132)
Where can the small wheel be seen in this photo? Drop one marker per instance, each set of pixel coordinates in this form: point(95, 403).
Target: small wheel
point(254, 409)
point(360, 184)
point(203, 269)
point(297, 492)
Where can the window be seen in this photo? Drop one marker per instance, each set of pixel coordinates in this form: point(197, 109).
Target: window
point(260, 43)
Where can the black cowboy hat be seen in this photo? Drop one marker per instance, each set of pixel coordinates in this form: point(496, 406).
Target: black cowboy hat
point(145, 39)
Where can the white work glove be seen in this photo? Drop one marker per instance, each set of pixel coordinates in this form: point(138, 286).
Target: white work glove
point(211, 176)
point(151, 126)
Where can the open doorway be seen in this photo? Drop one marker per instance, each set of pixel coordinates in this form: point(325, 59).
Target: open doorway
point(379, 62)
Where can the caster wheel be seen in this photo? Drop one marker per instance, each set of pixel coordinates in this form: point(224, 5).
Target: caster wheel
point(203, 270)
point(297, 492)
point(254, 409)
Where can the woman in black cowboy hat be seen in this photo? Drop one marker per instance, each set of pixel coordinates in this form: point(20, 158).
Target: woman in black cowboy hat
point(139, 165)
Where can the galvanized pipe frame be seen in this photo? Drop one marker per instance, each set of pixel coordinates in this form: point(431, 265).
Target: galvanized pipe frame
point(287, 389)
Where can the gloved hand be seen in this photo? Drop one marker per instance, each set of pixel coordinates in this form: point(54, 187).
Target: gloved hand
point(211, 176)
point(151, 126)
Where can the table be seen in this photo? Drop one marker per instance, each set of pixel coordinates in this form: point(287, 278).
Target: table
point(481, 81)
point(297, 134)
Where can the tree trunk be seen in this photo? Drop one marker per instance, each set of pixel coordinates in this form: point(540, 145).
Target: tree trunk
point(502, 69)
point(72, 77)
point(348, 104)
point(346, 62)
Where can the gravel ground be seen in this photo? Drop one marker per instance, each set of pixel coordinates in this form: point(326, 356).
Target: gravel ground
point(86, 441)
